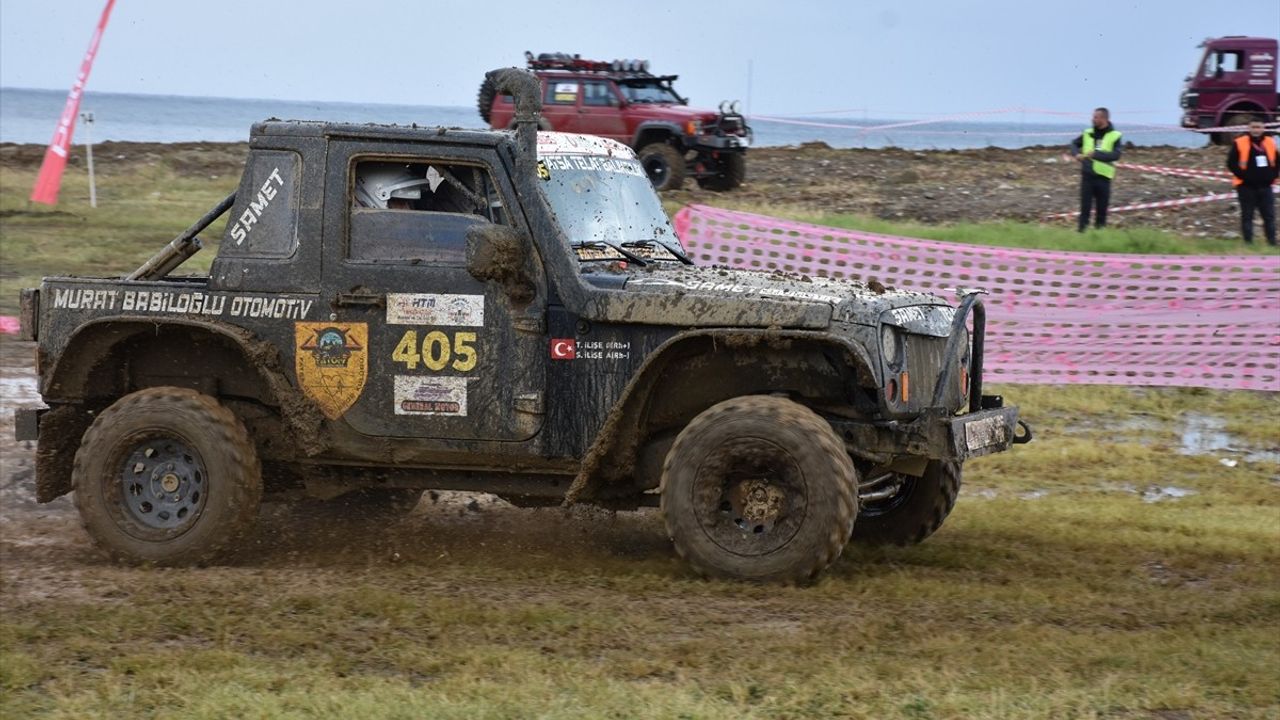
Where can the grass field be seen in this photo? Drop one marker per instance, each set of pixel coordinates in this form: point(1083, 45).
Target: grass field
point(1098, 572)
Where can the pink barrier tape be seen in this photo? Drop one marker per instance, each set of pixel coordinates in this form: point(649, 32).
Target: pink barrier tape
point(1221, 175)
point(8, 325)
point(1053, 317)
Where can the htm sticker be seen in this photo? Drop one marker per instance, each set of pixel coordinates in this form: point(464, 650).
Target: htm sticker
point(433, 309)
point(415, 395)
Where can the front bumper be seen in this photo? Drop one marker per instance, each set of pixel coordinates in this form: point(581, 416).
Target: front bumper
point(722, 142)
point(936, 432)
point(936, 435)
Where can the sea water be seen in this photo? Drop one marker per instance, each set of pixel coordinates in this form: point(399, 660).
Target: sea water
point(29, 116)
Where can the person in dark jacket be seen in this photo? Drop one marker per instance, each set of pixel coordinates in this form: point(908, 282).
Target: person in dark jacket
point(1252, 159)
point(1098, 150)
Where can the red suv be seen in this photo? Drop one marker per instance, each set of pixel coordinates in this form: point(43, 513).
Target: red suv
point(623, 101)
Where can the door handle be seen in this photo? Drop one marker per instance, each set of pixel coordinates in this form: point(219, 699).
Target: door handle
point(358, 299)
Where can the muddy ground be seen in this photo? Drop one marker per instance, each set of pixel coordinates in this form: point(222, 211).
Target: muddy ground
point(934, 186)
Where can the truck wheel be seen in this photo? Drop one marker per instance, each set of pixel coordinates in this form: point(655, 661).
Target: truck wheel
point(758, 488)
point(166, 475)
point(733, 171)
point(663, 164)
point(1226, 138)
point(912, 513)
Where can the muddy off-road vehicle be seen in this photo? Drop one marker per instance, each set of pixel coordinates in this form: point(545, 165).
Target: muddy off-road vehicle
point(621, 100)
point(393, 309)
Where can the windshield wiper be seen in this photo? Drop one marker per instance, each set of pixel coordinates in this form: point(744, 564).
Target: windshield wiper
point(603, 244)
point(654, 243)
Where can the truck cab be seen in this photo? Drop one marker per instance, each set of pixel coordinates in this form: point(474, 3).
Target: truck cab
point(1235, 79)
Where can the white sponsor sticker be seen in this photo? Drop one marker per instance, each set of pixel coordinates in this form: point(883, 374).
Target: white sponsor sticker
point(417, 395)
point(433, 309)
point(557, 143)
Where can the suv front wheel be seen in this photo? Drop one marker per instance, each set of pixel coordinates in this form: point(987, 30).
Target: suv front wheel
point(731, 171)
point(759, 488)
point(663, 164)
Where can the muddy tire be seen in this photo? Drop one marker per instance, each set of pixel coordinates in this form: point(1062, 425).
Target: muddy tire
point(167, 476)
point(484, 98)
point(915, 512)
point(733, 172)
point(758, 488)
point(664, 165)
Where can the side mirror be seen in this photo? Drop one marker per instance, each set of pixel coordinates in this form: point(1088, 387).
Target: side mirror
point(500, 254)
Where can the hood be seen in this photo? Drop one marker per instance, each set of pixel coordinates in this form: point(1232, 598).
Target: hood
point(671, 112)
point(771, 299)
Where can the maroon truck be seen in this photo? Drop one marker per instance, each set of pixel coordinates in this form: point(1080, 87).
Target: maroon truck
point(623, 101)
point(1236, 79)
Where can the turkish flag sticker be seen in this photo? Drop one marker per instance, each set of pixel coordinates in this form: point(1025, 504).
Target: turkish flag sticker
point(564, 349)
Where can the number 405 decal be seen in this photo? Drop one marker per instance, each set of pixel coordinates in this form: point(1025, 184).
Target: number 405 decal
point(437, 351)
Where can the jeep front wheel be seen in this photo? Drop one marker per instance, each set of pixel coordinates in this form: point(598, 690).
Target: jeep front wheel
point(730, 174)
point(759, 488)
point(902, 509)
point(663, 164)
point(167, 475)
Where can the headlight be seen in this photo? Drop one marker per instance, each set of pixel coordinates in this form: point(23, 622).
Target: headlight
point(889, 344)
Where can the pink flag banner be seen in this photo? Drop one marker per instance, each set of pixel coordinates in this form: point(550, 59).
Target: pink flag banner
point(1052, 317)
point(49, 182)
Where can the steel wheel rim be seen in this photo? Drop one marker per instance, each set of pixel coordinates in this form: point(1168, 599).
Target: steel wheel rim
point(750, 497)
point(160, 486)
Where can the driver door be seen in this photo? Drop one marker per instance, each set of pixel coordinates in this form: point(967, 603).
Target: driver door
point(444, 356)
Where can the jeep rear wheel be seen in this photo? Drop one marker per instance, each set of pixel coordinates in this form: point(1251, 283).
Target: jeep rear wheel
point(904, 510)
point(167, 475)
point(758, 488)
point(731, 174)
point(663, 164)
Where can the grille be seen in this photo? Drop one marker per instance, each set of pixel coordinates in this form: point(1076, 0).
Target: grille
point(924, 362)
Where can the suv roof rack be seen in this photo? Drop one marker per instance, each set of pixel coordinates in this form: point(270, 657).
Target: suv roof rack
point(576, 63)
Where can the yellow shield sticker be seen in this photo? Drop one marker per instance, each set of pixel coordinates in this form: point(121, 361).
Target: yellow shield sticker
point(332, 361)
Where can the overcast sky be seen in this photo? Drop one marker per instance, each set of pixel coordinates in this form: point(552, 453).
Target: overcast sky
point(892, 58)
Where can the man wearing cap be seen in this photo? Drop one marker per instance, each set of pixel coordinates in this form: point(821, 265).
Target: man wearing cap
point(1252, 160)
point(1098, 150)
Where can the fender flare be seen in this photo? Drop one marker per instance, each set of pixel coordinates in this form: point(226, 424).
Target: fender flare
point(94, 340)
point(659, 127)
point(619, 433)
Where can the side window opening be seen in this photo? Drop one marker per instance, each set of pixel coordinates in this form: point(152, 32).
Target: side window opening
point(597, 94)
point(1216, 64)
point(418, 211)
point(561, 92)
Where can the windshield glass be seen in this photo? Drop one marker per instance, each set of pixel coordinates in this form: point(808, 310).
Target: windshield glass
point(605, 199)
point(649, 93)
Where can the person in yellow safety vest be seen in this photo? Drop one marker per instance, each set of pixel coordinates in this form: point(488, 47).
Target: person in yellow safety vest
point(1252, 159)
point(1098, 150)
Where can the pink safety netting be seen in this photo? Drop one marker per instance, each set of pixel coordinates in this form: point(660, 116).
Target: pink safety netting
point(1052, 317)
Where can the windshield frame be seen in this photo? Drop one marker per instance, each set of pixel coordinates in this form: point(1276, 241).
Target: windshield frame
point(601, 215)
